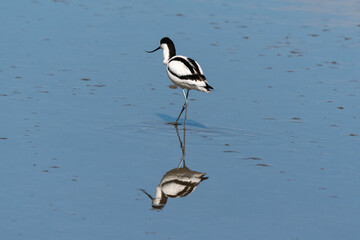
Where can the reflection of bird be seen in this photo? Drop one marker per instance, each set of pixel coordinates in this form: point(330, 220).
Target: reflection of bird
point(178, 182)
point(182, 71)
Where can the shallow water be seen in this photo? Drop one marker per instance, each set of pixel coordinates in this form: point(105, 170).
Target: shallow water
point(84, 112)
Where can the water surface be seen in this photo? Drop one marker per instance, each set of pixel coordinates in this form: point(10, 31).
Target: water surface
point(84, 112)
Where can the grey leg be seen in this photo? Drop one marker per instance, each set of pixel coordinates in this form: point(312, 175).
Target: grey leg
point(184, 106)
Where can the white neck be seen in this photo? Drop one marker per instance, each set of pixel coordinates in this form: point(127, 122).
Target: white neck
point(166, 53)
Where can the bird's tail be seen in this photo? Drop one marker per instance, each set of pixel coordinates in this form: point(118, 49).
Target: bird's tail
point(208, 87)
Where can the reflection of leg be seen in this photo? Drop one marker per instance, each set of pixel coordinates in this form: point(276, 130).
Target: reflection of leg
point(185, 116)
point(182, 147)
point(184, 106)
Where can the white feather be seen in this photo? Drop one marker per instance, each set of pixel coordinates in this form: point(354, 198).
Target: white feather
point(179, 68)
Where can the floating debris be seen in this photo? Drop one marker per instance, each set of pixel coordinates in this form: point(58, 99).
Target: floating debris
point(263, 165)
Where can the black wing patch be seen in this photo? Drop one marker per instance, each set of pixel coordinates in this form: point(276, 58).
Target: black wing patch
point(192, 66)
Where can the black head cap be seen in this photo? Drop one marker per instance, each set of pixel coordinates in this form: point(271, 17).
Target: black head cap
point(170, 44)
point(166, 40)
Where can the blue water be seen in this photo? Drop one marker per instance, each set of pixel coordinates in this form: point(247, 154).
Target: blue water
point(84, 112)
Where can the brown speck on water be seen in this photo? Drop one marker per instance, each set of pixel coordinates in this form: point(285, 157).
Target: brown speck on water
point(172, 86)
point(314, 35)
point(74, 180)
point(333, 62)
point(296, 118)
point(245, 37)
point(269, 118)
point(263, 165)
point(99, 85)
point(45, 170)
point(179, 15)
point(54, 167)
point(347, 38)
point(18, 77)
point(341, 108)
point(353, 134)
point(3, 138)
point(85, 79)
point(230, 151)
point(254, 158)
point(226, 144)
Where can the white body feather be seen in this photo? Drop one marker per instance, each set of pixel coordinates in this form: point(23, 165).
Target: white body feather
point(186, 73)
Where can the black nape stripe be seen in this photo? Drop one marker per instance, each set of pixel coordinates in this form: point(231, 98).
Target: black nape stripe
point(170, 45)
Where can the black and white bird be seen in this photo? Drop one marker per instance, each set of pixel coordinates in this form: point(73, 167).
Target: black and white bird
point(178, 182)
point(183, 72)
